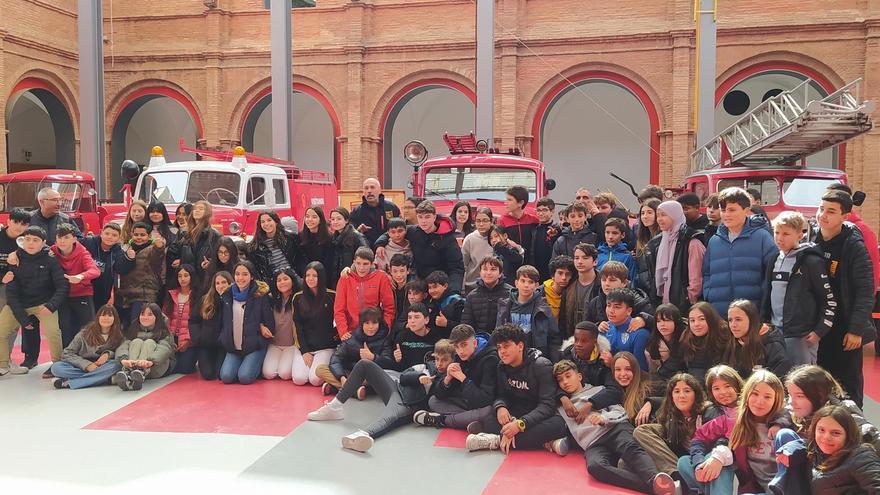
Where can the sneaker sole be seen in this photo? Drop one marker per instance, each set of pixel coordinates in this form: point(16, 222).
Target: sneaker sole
point(474, 428)
point(358, 444)
point(663, 485)
point(122, 381)
point(18, 371)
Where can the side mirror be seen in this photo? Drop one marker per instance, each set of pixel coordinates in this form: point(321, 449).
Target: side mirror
point(130, 170)
point(550, 184)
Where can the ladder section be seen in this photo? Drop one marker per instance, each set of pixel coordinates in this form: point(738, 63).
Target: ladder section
point(788, 127)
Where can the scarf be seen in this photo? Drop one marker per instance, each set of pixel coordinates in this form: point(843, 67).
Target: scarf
point(240, 295)
point(668, 243)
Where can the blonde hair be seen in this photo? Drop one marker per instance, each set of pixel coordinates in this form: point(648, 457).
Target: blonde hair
point(791, 219)
point(444, 347)
point(637, 392)
point(745, 430)
point(128, 224)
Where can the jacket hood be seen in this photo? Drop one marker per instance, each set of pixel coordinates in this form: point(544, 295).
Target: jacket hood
point(514, 297)
point(78, 251)
point(753, 223)
point(571, 234)
point(530, 356)
point(380, 334)
point(484, 347)
point(774, 335)
point(444, 225)
point(373, 272)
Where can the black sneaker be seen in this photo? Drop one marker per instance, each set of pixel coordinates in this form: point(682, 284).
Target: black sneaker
point(60, 383)
point(29, 364)
point(123, 381)
point(137, 379)
point(427, 418)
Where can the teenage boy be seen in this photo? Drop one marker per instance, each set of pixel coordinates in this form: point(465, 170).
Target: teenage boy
point(409, 348)
point(363, 287)
point(798, 299)
point(19, 220)
point(586, 354)
point(466, 392)
point(615, 249)
point(373, 216)
point(527, 309)
point(713, 215)
point(607, 207)
point(581, 291)
point(525, 400)
point(561, 272)
point(433, 245)
point(576, 233)
point(614, 276)
point(367, 342)
point(606, 436)
point(849, 269)
point(79, 270)
point(546, 233)
point(142, 270)
point(399, 274)
point(106, 251)
point(416, 292)
point(397, 244)
point(690, 205)
point(650, 191)
point(737, 257)
point(868, 235)
point(33, 296)
point(401, 394)
point(481, 304)
point(516, 223)
point(445, 306)
point(620, 334)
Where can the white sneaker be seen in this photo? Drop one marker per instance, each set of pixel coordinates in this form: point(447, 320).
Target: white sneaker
point(17, 370)
point(558, 446)
point(483, 441)
point(329, 411)
point(358, 441)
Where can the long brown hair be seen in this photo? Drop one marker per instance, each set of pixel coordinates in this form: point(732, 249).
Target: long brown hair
point(646, 233)
point(208, 310)
point(745, 430)
point(160, 328)
point(128, 223)
point(92, 331)
point(637, 391)
point(714, 342)
point(680, 428)
point(750, 352)
point(196, 227)
point(853, 437)
point(817, 385)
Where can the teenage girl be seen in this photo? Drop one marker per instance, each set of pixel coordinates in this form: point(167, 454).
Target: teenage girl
point(724, 385)
point(210, 352)
point(316, 336)
point(635, 385)
point(89, 359)
point(749, 348)
point(706, 340)
point(136, 213)
point(181, 307)
point(280, 353)
point(664, 343)
point(147, 351)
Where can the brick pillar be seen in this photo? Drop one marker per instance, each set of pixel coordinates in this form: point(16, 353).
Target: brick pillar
point(3, 102)
point(356, 161)
point(864, 171)
point(213, 129)
point(673, 166)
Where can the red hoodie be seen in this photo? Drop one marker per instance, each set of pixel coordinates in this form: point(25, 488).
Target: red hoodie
point(78, 262)
point(354, 293)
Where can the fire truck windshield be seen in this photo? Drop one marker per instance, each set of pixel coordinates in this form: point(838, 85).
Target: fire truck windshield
point(218, 188)
point(477, 183)
point(804, 191)
point(24, 195)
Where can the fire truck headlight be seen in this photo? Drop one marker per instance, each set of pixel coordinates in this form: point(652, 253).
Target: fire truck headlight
point(415, 152)
point(234, 227)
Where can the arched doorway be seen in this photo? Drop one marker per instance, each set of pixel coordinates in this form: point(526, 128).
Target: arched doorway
point(40, 129)
point(580, 143)
point(748, 88)
point(423, 111)
point(315, 129)
point(150, 117)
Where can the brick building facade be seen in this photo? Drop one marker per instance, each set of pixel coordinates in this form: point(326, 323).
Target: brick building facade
point(358, 57)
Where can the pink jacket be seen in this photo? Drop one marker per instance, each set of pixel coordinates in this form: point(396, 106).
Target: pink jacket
point(78, 262)
point(704, 441)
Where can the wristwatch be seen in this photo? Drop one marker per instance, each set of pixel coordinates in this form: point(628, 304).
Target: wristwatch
point(521, 425)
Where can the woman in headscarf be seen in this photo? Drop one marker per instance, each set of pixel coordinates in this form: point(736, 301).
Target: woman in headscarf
point(677, 254)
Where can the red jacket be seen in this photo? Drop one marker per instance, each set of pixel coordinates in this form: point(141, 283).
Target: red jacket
point(78, 262)
point(178, 319)
point(354, 293)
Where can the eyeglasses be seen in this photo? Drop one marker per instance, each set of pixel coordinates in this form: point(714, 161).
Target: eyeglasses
point(482, 220)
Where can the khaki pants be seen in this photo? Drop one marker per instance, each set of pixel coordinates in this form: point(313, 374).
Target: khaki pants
point(48, 324)
point(140, 349)
point(652, 438)
point(323, 372)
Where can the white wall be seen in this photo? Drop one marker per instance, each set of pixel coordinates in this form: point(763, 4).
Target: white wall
point(756, 87)
point(30, 128)
point(581, 143)
point(425, 117)
point(161, 121)
point(313, 141)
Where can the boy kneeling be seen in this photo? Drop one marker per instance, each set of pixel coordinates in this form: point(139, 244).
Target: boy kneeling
point(606, 437)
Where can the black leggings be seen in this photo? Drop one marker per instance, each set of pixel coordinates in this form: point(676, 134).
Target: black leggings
point(210, 359)
point(535, 436)
point(396, 413)
point(74, 313)
point(618, 443)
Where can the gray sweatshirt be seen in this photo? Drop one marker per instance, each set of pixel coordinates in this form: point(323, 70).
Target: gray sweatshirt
point(81, 354)
point(586, 433)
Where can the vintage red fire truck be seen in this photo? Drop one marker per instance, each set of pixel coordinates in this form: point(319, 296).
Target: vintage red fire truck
point(475, 173)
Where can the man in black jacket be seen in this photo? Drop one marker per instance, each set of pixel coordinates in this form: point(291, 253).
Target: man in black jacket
point(371, 217)
point(849, 269)
point(33, 296)
point(49, 216)
point(466, 393)
point(525, 400)
point(433, 245)
point(481, 304)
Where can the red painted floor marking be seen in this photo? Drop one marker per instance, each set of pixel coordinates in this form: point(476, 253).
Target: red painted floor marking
point(193, 405)
point(450, 438)
point(528, 473)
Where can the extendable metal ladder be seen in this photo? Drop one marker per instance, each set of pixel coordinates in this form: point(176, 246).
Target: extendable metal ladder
point(787, 128)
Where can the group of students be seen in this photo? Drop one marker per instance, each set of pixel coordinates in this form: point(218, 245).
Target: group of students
point(609, 338)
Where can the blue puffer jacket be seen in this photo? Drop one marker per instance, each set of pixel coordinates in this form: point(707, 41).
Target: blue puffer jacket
point(736, 270)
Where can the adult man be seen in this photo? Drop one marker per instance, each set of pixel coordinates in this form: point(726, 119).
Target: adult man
point(372, 215)
point(49, 215)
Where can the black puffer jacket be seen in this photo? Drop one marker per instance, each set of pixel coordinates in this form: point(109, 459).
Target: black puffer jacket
point(481, 372)
point(208, 333)
point(261, 256)
point(775, 359)
point(679, 282)
point(528, 391)
point(481, 306)
point(809, 302)
point(567, 241)
point(345, 243)
point(859, 473)
point(348, 353)
point(182, 249)
point(315, 330)
point(438, 250)
point(39, 279)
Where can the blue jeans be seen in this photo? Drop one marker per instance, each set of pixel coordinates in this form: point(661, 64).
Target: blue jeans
point(245, 368)
point(799, 351)
point(785, 480)
point(722, 485)
point(78, 378)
